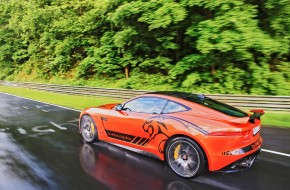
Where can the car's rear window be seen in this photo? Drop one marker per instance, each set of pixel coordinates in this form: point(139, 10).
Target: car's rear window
point(206, 101)
point(216, 105)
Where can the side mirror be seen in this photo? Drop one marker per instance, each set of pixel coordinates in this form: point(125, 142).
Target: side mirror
point(118, 107)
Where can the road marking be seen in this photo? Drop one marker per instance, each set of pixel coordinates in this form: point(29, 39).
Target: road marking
point(39, 130)
point(275, 152)
point(40, 106)
point(73, 120)
point(265, 150)
point(58, 126)
point(22, 131)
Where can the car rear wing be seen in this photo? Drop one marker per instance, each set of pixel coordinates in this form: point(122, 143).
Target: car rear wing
point(257, 115)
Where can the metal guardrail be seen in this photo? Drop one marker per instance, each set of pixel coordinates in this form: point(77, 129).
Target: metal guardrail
point(278, 103)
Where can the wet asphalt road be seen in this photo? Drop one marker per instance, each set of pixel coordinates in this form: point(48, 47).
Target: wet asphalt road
point(40, 148)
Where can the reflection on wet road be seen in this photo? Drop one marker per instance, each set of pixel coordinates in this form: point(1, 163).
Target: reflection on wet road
point(18, 169)
point(40, 148)
point(119, 169)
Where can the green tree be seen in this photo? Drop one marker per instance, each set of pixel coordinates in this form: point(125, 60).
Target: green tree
point(229, 46)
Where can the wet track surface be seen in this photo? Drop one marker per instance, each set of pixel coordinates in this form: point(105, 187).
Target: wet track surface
point(40, 148)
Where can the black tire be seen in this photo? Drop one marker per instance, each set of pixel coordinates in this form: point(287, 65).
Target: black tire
point(185, 157)
point(88, 129)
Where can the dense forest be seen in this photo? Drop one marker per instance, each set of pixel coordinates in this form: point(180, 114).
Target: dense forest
point(211, 46)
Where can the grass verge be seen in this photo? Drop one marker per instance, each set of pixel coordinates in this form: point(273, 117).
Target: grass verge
point(281, 119)
point(272, 118)
point(71, 101)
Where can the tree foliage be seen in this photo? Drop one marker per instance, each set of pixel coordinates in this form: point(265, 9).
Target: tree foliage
point(228, 46)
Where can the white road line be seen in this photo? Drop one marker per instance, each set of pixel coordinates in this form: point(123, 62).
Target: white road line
point(73, 120)
point(264, 150)
point(275, 152)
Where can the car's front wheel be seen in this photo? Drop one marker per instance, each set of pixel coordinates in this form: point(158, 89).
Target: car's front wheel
point(185, 157)
point(88, 129)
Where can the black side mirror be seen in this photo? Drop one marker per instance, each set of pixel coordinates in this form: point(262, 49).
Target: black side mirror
point(118, 107)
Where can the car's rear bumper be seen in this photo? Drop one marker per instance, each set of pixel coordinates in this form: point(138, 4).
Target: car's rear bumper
point(224, 159)
point(241, 164)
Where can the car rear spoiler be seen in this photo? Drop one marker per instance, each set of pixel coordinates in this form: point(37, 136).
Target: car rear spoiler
point(257, 115)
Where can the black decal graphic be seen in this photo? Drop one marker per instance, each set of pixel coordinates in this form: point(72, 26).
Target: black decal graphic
point(120, 136)
point(185, 123)
point(158, 128)
point(161, 146)
point(136, 140)
point(128, 138)
point(145, 142)
point(154, 129)
point(142, 141)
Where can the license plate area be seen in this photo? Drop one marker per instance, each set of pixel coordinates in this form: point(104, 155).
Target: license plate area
point(256, 130)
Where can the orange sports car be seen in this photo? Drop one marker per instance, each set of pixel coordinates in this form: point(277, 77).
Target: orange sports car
point(192, 132)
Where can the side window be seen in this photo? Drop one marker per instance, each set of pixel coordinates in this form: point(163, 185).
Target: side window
point(172, 107)
point(145, 105)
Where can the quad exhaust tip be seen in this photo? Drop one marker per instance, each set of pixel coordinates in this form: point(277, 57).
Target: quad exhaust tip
point(242, 164)
point(245, 163)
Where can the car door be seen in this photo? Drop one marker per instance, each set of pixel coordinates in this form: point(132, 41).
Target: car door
point(127, 125)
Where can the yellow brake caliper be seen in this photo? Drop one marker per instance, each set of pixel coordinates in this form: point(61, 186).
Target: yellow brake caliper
point(176, 152)
point(92, 128)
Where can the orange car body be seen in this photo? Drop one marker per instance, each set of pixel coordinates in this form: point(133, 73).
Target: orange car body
point(224, 139)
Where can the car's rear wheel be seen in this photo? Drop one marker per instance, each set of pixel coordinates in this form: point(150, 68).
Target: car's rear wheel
point(88, 129)
point(185, 157)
